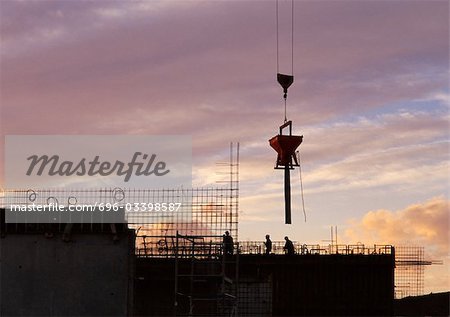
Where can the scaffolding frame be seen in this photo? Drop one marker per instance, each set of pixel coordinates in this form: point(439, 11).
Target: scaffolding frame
point(200, 211)
point(211, 211)
point(203, 261)
point(410, 265)
point(192, 233)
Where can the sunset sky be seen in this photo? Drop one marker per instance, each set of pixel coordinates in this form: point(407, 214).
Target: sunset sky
point(371, 98)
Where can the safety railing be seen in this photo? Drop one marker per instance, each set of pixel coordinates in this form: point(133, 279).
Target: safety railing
point(258, 247)
point(185, 246)
point(212, 246)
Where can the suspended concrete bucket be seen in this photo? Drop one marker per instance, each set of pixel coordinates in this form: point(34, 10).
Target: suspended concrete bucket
point(285, 145)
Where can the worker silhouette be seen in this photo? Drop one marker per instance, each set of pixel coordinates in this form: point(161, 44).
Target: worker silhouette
point(288, 247)
point(227, 243)
point(268, 244)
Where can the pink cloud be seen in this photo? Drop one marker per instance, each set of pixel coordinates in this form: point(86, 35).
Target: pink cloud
point(215, 55)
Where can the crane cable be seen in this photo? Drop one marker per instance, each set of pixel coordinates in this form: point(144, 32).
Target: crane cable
point(292, 50)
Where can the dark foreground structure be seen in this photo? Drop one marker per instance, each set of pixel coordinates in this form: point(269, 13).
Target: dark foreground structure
point(273, 285)
point(95, 274)
point(425, 305)
point(173, 263)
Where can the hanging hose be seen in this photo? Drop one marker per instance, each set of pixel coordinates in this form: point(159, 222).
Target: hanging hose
point(301, 183)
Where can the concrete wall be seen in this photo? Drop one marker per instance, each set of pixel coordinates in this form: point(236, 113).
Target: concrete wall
point(89, 276)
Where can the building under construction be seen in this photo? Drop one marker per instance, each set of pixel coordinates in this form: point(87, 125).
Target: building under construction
point(160, 264)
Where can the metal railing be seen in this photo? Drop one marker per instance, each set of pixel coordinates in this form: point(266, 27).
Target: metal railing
point(212, 246)
point(258, 247)
point(166, 246)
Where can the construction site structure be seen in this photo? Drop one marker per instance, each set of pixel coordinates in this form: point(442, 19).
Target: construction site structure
point(178, 264)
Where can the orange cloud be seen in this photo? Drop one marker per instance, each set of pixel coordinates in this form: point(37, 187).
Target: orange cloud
point(424, 224)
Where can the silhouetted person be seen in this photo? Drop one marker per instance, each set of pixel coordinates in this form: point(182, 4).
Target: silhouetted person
point(268, 244)
point(227, 243)
point(288, 247)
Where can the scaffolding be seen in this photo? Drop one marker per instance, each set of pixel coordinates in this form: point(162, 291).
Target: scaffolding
point(206, 277)
point(409, 270)
point(190, 235)
point(156, 214)
point(208, 212)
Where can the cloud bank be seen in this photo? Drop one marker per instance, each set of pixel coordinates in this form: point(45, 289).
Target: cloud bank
point(422, 224)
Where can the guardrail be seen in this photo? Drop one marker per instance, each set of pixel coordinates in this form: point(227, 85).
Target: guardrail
point(212, 246)
point(258, 247)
